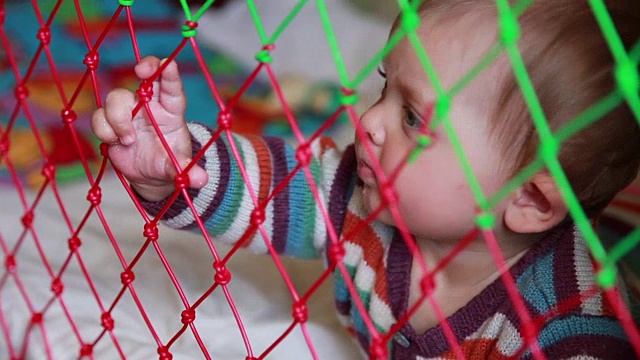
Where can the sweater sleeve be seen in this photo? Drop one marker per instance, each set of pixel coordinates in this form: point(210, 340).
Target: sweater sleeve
point(294, 223)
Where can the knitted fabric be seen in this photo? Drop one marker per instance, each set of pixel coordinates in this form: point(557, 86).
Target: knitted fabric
point(554, 271)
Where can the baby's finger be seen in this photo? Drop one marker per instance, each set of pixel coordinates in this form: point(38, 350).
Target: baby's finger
point(101, 127)
point(118, 107)
point(198, 177)
point(147, 67)
point(169, 89)
point(172, 96)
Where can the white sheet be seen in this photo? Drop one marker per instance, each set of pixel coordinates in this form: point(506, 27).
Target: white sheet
point(256, 287)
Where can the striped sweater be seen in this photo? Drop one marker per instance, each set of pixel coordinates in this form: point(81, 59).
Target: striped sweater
point(378, 261)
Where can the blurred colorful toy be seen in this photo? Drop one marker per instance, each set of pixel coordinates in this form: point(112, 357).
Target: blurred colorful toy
point(311, 104)
point(60, 147)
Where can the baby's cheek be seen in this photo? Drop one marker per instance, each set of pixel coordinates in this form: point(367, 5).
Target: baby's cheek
point(371, 201)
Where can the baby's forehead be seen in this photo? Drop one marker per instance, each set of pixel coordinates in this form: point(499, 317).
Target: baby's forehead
point(450, 43)
point(470, 29)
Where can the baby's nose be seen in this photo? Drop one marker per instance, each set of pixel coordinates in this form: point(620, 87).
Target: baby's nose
point(372, 125)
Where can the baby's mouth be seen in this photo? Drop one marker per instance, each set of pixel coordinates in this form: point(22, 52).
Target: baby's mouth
point(366, 173)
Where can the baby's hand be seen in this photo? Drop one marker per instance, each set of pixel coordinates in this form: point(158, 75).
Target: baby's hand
point(135, 148)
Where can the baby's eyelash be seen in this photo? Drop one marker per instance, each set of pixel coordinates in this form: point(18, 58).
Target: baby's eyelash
point(381, 72)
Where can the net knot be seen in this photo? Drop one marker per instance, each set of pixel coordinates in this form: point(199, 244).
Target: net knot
point(181, 181)
point(427, 285)
point(389, 194)
point(68, 116)
point(303, 154)
point(189, 29)
point(442, 106)
point(485, 221)
point(257, 217)
point(10, 264)
point(223, 275)
point(529, 332)
point(44, 35)
point(549, 150)
point(224, 120)
point(127, 277)
point(164, 353)
point(92, 60)
point(86, 350)
point(104, 149)
point(74, 243)
point(22, 92)
point(95, 195)
point(606, 277)
point(107, 321)
point(49, 171)
point(299, 312)
point(509, 29)
point(188, 316)
point(348, 96)
point(422, 142)
point(57, 286)
point(4, 146)
point(378, 349)
point(410, 20)
point(150, 231)
point(628, 78)
point(336, 253)
point(36, 318)
point(145, 91)
point(27, 219)
point(264, 55)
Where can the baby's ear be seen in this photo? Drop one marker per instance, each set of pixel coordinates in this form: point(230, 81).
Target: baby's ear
point(537, 206)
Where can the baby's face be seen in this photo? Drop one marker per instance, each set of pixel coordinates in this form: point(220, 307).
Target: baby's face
point(434, 197)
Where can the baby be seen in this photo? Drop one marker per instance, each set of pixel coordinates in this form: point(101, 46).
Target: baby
point(570, 67)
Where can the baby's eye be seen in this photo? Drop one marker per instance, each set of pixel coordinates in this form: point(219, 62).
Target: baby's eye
point(381, 72)
point(384, 76)
point(411, 119)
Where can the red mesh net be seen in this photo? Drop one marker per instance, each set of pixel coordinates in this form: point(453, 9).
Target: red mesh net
point(93, 322)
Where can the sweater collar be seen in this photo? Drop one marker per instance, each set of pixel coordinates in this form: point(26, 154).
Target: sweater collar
point(470, 317)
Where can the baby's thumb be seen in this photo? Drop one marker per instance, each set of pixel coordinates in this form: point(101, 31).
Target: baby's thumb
point(198, 177)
